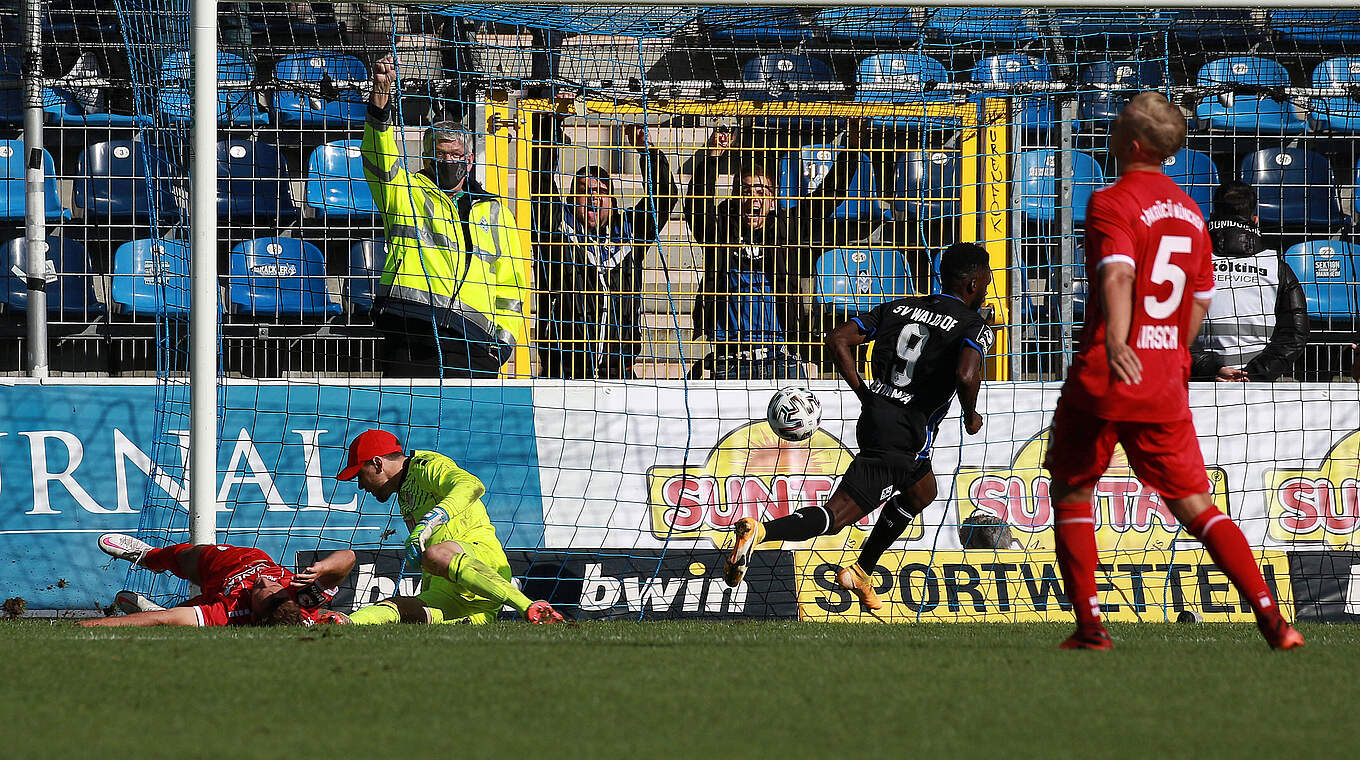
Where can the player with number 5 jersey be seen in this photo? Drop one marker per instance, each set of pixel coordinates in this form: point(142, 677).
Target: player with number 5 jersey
point(926, 350)
point(1148, 259)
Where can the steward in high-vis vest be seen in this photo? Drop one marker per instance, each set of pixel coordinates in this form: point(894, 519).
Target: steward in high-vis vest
point(1257, 325)
point(454, 263)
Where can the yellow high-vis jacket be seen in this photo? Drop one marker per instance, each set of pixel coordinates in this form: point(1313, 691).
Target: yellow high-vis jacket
point(457, 264)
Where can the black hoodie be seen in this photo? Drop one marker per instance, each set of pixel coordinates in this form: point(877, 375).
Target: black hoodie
point(1236, 238)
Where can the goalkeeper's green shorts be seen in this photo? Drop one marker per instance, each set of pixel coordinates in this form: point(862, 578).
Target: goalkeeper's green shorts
point(458, 604)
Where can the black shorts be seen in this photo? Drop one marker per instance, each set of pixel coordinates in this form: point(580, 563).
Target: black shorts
point(872, 479)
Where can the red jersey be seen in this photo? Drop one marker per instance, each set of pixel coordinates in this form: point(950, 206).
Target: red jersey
point(1146, 221)
point(227, 574)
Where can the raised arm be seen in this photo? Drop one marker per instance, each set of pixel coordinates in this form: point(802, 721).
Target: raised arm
point(383, 166)
point(701, 204)
point(543, 189)
point(658, 194)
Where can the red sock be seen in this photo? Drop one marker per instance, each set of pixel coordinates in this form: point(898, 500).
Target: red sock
point(1075, 531)
point(1230, 551)
point(165, 558)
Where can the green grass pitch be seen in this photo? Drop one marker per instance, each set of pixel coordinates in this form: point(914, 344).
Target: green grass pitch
point(682, 689)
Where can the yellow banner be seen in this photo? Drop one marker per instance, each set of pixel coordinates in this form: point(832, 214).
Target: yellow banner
point(1129, 515)
point(1319, 507)
point(752, 472)
point(1016, 586)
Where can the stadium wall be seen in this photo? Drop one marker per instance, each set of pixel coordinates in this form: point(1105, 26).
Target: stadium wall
point(669, 468)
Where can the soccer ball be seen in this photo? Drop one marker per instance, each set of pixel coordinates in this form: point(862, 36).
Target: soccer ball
point(794, 414)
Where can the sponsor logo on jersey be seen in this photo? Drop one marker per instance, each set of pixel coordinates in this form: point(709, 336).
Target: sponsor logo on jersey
point(1318, 506)
point(1170, 209)
point(1129, 514)
point(1011, 586)
point(752, 472)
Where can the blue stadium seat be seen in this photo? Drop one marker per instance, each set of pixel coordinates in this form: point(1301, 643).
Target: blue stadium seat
point(802, 173)
point(1337, 114)
point(1295, 188)
point(85, 106)
point(366, 260)
point(73, 109)
point(111, 183)
point(1034, 113)
point(984, 24)
point(926, 185)
point(1196, 174)
point(760, 24)
point(279, 277)
point(236, 106)
point(854, 280)
point(882, 24)
point(69, 276)
point(335, 181)
point(1329, 271)
point(12, 201)
point(777, 70)
point(1036, 187)
point(1317, 27)
point(252, 183)
point(1239, 112)
point(11, 99)
point(1119, 80)
point(314, 111)
point(902, 78)
point(136, 289)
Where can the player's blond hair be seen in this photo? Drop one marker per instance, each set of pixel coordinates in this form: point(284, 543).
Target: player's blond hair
point(1157, 125)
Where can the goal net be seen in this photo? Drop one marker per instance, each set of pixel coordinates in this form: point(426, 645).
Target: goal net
point(668, 208)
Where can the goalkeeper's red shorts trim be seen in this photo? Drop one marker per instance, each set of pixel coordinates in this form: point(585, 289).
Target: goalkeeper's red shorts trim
point(1164, 455)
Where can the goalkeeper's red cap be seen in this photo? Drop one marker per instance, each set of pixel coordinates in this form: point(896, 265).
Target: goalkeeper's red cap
point(366, 445)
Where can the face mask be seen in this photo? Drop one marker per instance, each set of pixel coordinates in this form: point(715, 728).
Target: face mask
point(449, 175)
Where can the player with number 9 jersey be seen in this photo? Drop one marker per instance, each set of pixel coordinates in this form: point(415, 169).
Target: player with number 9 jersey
point(917, 341)
point(927, 349)
point(1146, 221)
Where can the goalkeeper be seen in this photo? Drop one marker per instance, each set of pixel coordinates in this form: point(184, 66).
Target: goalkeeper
point(466, 576)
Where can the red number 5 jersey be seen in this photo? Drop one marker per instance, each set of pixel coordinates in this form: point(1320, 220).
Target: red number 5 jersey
point(1146, 221)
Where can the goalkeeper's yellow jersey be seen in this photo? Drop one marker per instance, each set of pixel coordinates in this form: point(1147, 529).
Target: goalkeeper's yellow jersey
point(433, 480)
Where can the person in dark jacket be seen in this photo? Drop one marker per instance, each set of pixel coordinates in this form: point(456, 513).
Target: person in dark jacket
point(589, 253)
point(755, 252)
point(1258, 323)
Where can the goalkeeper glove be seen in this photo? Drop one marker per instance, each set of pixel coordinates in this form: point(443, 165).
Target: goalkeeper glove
point(420, 535)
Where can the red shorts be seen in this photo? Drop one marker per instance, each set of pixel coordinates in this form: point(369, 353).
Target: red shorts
point(1164, 455)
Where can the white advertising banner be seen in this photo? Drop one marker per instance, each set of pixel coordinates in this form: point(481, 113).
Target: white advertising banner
point(675, 464)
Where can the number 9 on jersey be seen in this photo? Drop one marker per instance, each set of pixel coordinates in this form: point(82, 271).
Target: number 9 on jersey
point(794, 414)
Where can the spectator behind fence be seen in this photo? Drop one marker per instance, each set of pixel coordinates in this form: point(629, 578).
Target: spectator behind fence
point(1257, 324)
point(454, 264)
point(588, 255)
point(754, 254)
